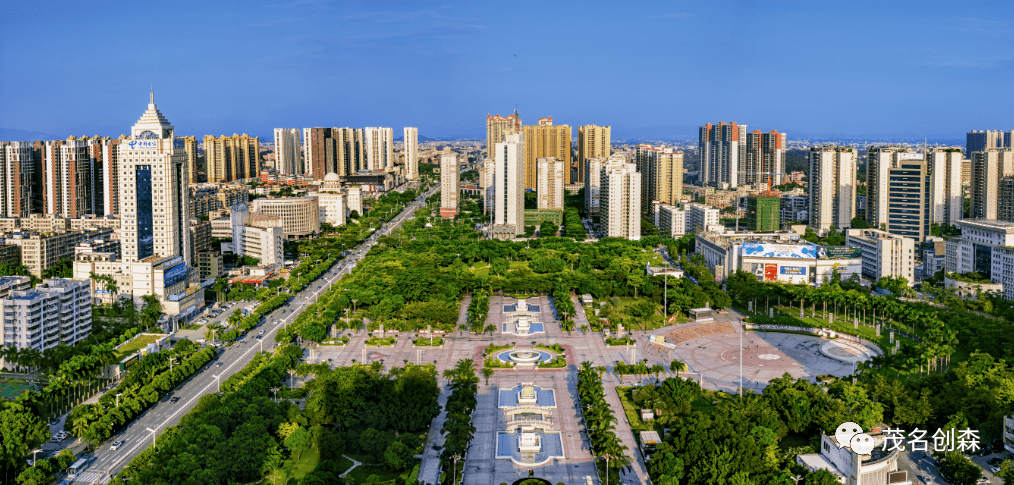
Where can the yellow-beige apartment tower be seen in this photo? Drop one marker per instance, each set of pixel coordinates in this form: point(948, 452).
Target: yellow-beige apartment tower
point(545, 140)
point(497, 127)
point(592, 142)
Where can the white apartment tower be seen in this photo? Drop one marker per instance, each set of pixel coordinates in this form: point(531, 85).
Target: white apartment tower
point(989, 168)
point(946, 204)
point(379, 148)
point(832, 187)
point(57, 312)
point(154, 202)
point(593, 183)
point(509, 186)
point(288, 151)
point(449, 189)
point(620, 201)
point(411, 153)
point(549, 183)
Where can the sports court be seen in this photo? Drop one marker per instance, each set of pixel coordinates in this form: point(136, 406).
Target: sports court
point(10, 389)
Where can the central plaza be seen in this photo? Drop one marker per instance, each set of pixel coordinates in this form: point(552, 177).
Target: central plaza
point(528, 419)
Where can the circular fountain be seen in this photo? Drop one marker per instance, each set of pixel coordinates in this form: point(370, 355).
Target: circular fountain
point(525, 356)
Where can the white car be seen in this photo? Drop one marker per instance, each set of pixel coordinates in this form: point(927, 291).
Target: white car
point(115, 445)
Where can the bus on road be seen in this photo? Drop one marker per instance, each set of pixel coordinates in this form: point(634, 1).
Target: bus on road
point(78, 467)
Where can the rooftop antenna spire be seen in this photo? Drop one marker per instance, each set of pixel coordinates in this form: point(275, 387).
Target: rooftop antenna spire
point(152, 95)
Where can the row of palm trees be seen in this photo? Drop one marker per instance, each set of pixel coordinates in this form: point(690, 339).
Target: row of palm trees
point(599, 419)
point(461, 403)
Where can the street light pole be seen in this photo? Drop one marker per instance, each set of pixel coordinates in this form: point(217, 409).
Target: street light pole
point(218, 382)
point(118, 399)
point(152, 437)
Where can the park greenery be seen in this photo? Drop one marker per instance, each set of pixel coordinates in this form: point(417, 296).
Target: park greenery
point(599, 420)
point(458, 430)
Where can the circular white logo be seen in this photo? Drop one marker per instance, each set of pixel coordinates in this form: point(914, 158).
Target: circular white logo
point(768, 357)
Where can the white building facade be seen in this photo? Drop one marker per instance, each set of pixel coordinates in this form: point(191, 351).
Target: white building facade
point(884, 254)
point(832, 186)
point(449, 188)
point(509, 187)
point(379, 147)
point(620, 201)
point(57, 312)
point(411, 153)
point(985, 247)
point(549, 183)
point(288, 151)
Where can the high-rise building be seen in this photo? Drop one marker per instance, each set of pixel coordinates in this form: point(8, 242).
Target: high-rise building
point(661, 170)
point(449, 184)
point(66, 178)
point(509, 187)
point(230, 158)
point(763, 213)
point(379, 145)
point(17, 178)
point(989, 167)
point(946, 199)
point(498, 127)
point(546, 140)
point(592, 142)
point(765, 159)
point(722, 148)
point(333, 150)
point(593, 183)
point(190, 148)
point(831, 188)
point(898, 191)
point(57, 312)
point(550, 184)
point(979, 140)
point(411, 153)
point(620, 201)
point(154, 199)
point(288, 151)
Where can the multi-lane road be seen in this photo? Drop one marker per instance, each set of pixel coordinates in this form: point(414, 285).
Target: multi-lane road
point(138, 434)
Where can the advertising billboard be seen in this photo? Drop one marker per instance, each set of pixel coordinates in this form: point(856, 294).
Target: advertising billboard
point(839, 252)
point(770, 272)
point(793, 270)
point(797, 251)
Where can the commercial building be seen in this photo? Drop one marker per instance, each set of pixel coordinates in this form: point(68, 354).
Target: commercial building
point(57, 312)
point(497, 128)
point(670, 220)
point(230, 158)
point(509, 187)
point(17, 178)
point(379, 146)
point(300, 215)
point(545, 140)
point(211, 264)
point(722, 148)
point(897, 191)
point(763, 213)
point(449, 190)
point(550, 183)
point(288, 151)
point(661, 169)
point(257, 235)
point(620, 201)
point(592, 142)
point(985, 247)
point(884, 254)
point(702, 218)
point(331, 201)
point(593, 182)
point(411, 153)
point(831, 188)
point(764, 164)
point(989, 168)
point(775, 256)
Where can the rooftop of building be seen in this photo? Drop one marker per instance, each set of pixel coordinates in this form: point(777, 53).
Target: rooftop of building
point(1005, 226)
point(727, 239)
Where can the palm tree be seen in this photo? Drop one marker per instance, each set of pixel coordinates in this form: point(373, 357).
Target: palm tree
point(487, 373)
point(677, 366)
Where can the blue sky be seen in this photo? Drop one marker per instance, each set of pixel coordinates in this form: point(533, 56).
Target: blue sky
point(652, 69)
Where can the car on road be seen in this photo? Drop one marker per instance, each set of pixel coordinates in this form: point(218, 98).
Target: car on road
point(115, 445)
point(994, 469)
point(262, 330)
point(218, 364)
point(175, 400)
point(995, 461)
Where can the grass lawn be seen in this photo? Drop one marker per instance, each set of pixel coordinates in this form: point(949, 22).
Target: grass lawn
point(339, 341)
point(294, 469)
point(135, 345)
point(630, 409)
point(613, 342)
point(425, 342)
point(193, 327)
point(381, 342)
point(556, 363)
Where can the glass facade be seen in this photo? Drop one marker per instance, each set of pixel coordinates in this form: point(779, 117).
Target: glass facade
point(145, 219)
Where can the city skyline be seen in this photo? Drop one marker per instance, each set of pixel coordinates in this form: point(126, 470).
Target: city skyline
point(292, 51)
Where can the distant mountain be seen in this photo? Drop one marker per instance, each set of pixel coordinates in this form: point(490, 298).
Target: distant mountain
point(14, 134)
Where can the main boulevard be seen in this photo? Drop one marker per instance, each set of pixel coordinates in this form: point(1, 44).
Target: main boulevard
point(140, 432)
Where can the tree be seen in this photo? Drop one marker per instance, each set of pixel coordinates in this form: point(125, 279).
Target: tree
point(21, 431)
point(677, 366)
point(960, 469)
point(373, 442)
point(398, 456)
point(821, 477)
point(299, 439)
point(487, 373)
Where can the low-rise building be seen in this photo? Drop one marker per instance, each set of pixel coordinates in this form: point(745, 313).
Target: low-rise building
point(10, 254)
point(985, 247)
point(1008, 436)
point(702, 218)
point(332, 201)
point(257, 235)
point(300, 215)
point(880, 467)
point(40, 251)
point(778, 256)
point(884, 254)
point(670, 220)
point(13, 283)
point(210, 264)
point(57, 312)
